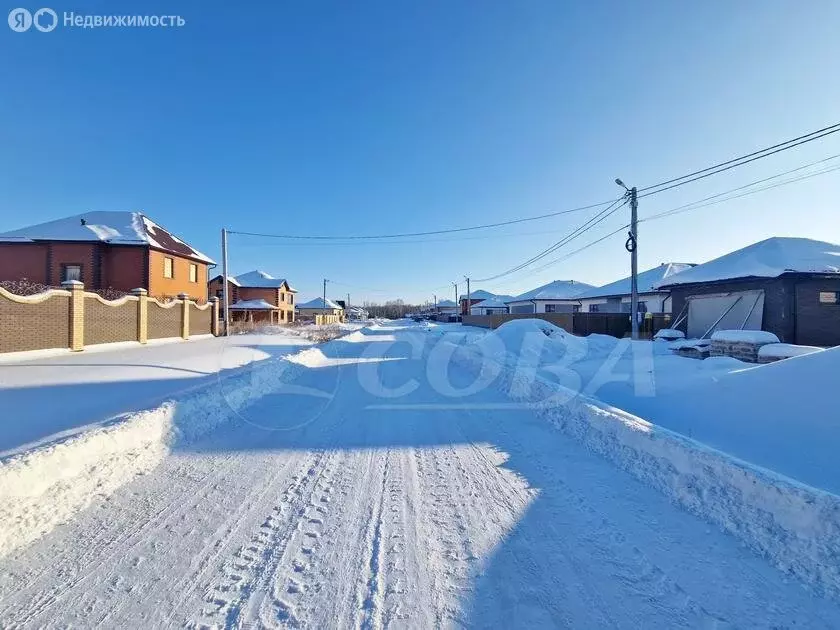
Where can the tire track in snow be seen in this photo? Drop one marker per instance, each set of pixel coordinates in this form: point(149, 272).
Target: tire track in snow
point(95, 557)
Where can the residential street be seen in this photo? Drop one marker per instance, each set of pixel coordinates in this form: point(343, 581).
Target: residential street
point(338, 503)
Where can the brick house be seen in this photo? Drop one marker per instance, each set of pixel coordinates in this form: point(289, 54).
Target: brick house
point(317, 306)
point(257, 296)
point(105, 250)
point(787, 286)
point(479, 295)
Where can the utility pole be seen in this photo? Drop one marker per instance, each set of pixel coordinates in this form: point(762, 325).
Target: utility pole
point(435, 297)
point(225, 296)
point(632, 246)
point(325, 296)
point(455, 284)
point(468, 295)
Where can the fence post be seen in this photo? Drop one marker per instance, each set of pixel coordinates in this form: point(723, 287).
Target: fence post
point(76, 314)
point(142, 314)
point(214, 316)
point(185, 315)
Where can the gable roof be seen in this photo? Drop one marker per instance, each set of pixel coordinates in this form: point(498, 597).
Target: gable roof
point(480, 294)
point(446, 304)
point(769, 258)
point(114, 228)
point(252, 305)
point(647, 281)
point(319, 303)
point(496, 302)
point(257, 279)
point(557, 290)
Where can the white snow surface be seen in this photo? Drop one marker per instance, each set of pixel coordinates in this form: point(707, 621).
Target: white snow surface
point(769, 258)
point(363, 486)
point(786, 350)
point(647, 281)
point(319, 303)
point(745, 336)
point(669, 334)
point(252, 305)
point(481, 294)
point(259, 279)
point(556, 290)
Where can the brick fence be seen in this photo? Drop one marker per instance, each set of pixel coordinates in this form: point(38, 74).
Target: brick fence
point(74, 318)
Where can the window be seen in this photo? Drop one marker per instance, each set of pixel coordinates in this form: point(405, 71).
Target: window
point(282, 297)
point(291, 298)
point(220, 293)
point(193, 273)
point(829, 297)
point(550, 308)
point(575, 308)
point(593, 308)
point(168, 268)
point(71, 272)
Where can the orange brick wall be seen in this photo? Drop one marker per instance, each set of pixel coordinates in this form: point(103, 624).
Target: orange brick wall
point(216, 285)
point(180, 282)
point(20, 261)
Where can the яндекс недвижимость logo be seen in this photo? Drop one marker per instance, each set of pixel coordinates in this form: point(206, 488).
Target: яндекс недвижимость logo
point(44, 20)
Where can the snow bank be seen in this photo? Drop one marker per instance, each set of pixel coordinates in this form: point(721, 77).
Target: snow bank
point(795, 526)
point(745, 336)
point(539, 340)
point(785, 350)
point(46, 486)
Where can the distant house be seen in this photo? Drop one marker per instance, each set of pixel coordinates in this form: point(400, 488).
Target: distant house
point(447, 307)
point(787, 286)
point(257, 296)
point(116, 250)
point(477, 296)
point(615, 297)
point(357, 313)
point(318, 306)
point(490, 306)
point(554, 297)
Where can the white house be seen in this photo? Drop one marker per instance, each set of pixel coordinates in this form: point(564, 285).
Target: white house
point(479, 295)
point(615, 297)
point(490, 306)
point(554, 297)
point(447, 307)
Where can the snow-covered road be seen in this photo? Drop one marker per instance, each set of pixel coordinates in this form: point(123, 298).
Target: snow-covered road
point(353, 509)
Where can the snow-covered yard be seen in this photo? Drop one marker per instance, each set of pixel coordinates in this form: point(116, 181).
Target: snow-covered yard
point(384, 480)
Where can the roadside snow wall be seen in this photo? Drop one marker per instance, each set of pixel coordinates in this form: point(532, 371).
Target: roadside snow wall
point(46, 486)
point(795, 526)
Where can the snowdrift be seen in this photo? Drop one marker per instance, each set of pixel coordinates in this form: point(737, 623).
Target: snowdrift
point(46, 486)
point(795, 526)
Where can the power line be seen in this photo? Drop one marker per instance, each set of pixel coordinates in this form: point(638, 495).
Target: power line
point(582, 229)
point(739, 161)
point(695, 206)
point(427, 233)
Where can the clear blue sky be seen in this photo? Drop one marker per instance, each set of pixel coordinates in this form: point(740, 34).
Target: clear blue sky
point(392, 116)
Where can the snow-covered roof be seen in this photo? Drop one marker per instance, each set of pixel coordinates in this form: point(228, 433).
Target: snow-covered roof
point(446, 304)
point(231, 279)
point(647, 281)
point(491, 303)
point(113, 227)
point(319, 303)
point(480, 294)
point(252, 305)
point(557, 290)
point(257, 279)
point(766, 259)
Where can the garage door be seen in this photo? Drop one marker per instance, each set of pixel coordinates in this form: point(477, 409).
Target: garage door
point(745, 311)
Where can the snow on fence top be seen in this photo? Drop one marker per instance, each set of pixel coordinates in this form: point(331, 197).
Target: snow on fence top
point(769, 258)
point(115, 227)
point(745, 336)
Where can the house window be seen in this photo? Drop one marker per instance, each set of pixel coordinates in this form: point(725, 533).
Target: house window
point(220, 293)
point(282, 297)
point(829, 297)
point(168, 268)
point(575, 308)
point(291, 298)
point(71, 272)
point(593, 308)
point(193, 273)
point(550, 308)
